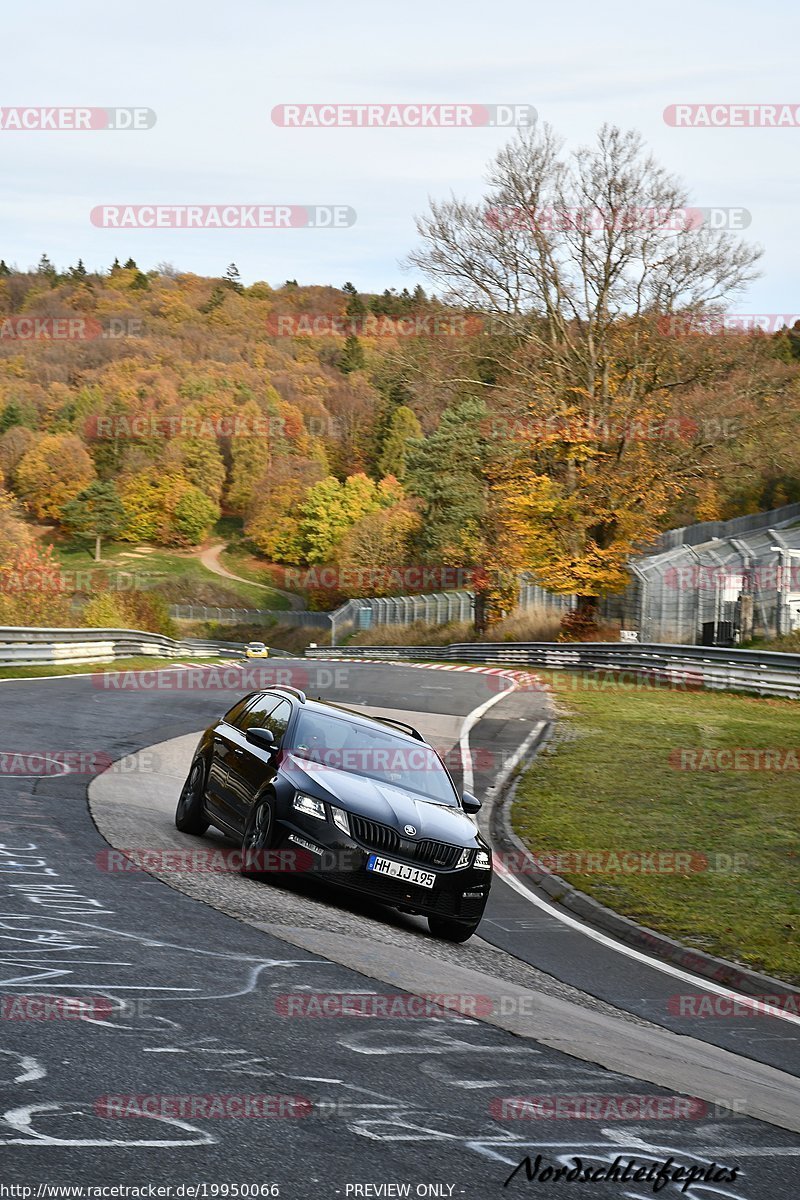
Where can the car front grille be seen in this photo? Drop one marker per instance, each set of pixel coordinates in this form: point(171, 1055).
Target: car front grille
point(388, 841)
point(438, 854)
point(373, 835)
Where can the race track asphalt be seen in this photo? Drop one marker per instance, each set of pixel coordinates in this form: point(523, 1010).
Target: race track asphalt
point(192, 994)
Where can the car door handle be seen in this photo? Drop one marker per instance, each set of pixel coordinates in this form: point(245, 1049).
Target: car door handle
point(236, 750)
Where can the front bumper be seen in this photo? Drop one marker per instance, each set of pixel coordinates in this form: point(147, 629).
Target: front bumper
point(461, 895)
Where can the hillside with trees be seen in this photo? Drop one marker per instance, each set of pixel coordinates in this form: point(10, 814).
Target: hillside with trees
point(566, 398)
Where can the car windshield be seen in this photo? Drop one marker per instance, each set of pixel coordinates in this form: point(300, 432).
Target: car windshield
point(374, 753)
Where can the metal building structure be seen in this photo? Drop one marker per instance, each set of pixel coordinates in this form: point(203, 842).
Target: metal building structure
point(718, 589)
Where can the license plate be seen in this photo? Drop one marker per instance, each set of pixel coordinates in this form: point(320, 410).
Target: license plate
point(385, 866)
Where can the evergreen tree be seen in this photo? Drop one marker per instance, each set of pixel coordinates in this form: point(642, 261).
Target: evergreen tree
point(216, 298)
point(45, 267)
point(355, 308)
point(11, 415)
point(3, 268)
point(78, 272)
point(140, 280)
point(403, 432)
point(115, 266)
point(352, 356)
point(233, 279)
point(130, 265)
point(394, 392)
point(794, 339)
point(446, 471)
point(95, 512)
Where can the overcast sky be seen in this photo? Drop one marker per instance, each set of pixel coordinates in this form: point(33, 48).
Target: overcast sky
point(213, 73)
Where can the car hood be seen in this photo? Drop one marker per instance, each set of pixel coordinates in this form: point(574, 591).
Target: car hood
point(386, 803)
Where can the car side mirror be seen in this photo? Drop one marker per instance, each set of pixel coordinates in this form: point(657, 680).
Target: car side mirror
point(471, 804)
point(262, 738)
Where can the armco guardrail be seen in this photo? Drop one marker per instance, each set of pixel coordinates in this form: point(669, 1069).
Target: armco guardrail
point(23, 647)
point(767, 673)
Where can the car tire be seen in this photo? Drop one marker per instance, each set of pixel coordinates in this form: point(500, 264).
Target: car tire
point(190, 816)
point(451, 931)
point(259, 837)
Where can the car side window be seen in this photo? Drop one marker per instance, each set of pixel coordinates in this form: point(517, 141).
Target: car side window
point(236, 715)
point(257, 713)
point(278, 720)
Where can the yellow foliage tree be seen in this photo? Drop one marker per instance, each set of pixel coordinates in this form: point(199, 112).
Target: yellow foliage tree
point(53, 472)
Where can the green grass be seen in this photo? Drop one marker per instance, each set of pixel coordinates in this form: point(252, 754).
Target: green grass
point(176, 574)
point(789, 643)
point(609, 785)
point(140, 662)
point(240, 561)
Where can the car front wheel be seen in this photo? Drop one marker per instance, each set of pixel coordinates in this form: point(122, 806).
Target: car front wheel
point(189, 815)
point(450, 930)
point(259, 837)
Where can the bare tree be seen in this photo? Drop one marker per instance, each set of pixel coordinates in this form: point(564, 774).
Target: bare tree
point(585, 266)
point(577, 243)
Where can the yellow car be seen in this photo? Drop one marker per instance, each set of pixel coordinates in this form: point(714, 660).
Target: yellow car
point(256, 650)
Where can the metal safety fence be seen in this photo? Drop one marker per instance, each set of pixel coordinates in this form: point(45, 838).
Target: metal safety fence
point(296, 618)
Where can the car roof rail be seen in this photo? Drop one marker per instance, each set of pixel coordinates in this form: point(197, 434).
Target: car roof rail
point(293, 691)
point(415, 733)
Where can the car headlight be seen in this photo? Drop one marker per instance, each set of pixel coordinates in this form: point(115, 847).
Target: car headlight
point(463, 860)
point(309, 806)
point(340, 819)
point(482, 861)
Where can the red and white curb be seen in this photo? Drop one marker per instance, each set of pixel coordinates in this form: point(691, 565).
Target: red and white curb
point(526, 680)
